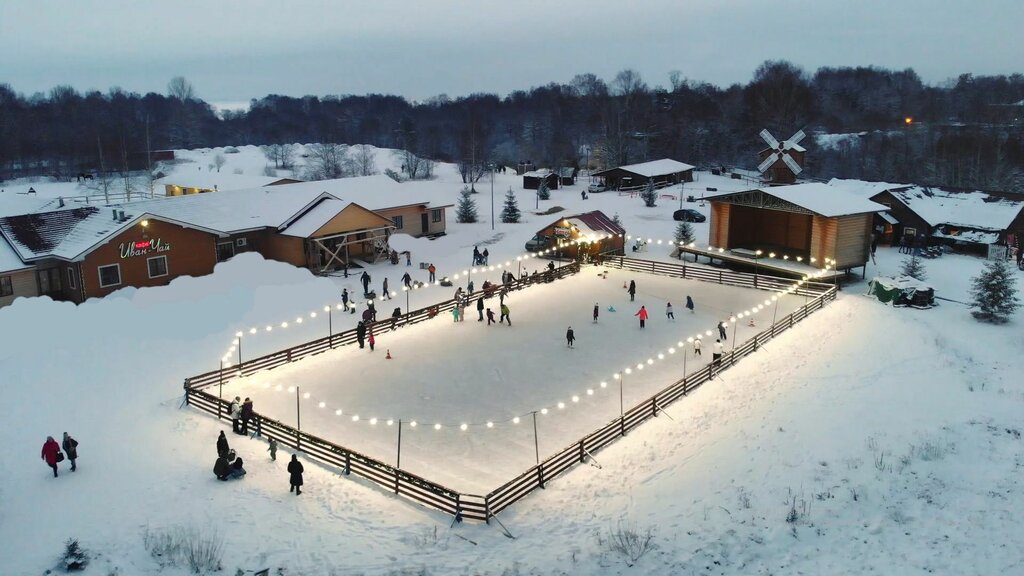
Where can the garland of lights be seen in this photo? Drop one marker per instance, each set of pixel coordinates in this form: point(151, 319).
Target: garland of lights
point(560, 405)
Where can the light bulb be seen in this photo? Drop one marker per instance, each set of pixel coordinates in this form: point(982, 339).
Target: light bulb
point(544, 411)
point(463, 427)
point(437, 426)
point(515, 420)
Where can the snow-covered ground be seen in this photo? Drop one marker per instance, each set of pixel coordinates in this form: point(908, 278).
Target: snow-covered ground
point(890, 437)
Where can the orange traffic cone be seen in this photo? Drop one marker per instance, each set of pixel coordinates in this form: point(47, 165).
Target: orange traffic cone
point(388, 357)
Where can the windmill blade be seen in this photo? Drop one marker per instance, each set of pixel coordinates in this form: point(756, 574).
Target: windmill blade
point(767, 137)
point(771, 159)
point(788, 160)
point(795, 138)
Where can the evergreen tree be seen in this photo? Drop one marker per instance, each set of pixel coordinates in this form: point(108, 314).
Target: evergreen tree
point(617, 220)
point(510, 213)
point(649, 195)
point(913, 267)
point(995, 293)
point(543, 192)
point(684, 233)
point(465, 211)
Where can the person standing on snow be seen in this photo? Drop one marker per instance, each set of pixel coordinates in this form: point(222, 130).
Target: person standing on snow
point(71, 449)
point(668, 311)
point(696, 347)
point(246, 415)
point(361, 334)
point(485, 255)
point(632, 290)
point(344, 297)
point(689, 304)
point(596, 311)
point(490, 317)
point(570, 336)
point(49, 453)
point(222, 444)
point(272, 448)
point(235, 410)
point(716, 355)
point(386, 295)
point(365, 279)
point(642, 313)
point(504, 313)
point(295, 475)
point(480, 308)
point(371, 340)
point(721, 330)
point(455, 313)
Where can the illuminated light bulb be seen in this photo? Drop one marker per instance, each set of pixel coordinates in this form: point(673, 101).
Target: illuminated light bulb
point(312, 314)
point(628, 370)
point(721, 249)
point(519, 258)
point(515, 420)
point(605, 384)
point(707, 332)
point(672, 350)
point(463, 427)
point(413, 423)
point(464, 272)
point(291, 389)
point(284, 324)
point(659, 241)
point(252, 330)
point(373, 421)
point(238, 334)
point(298, 320)
point(731, 319)
point(690, 340)
point(650, 361)
point(490, 424)
point(771, 254)
point(322, 404)
point(437, 426)
point(544, 411)
point(339, 306)
point(455, 277)
point(337, 412)
point(355, 417)
point(590, 391)
point(390, 422)
point(575, 398)
point(561, 405)
point(649, 240)
point(661, 356)
point(639, 366)
point(306, 395)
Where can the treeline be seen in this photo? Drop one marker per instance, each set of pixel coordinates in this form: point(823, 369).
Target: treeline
point(966, 132)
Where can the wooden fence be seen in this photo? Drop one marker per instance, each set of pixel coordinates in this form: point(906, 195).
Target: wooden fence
point(484, 507)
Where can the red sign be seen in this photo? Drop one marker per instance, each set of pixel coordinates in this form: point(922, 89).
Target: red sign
point(563, 232)
point(143, 247)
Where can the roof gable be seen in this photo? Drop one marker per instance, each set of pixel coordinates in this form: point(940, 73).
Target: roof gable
point(813, 198)
point(34, 234)
point(653, 168)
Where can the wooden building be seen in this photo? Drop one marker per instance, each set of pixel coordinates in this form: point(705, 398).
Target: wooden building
point(814, 222)
point(567, 175)
point(532, 180)
point(581, 236)
point(664, 172)
point(201, 183)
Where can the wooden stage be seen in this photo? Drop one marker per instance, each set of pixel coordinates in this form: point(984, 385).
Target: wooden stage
point(746, 260)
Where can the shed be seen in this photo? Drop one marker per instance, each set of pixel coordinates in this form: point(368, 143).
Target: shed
point(814, 222)
point(532, 180)
point(581, 236)
point(567, 175)
point(664, 172)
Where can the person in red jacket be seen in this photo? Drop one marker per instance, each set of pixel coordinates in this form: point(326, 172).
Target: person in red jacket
point(49, 453)
point(643, 315)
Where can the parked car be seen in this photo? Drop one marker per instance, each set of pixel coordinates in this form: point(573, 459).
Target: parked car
point(595, 187)
point(538, 243)
point(688, 215)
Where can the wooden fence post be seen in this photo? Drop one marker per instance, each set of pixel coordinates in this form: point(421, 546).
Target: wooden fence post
point(487, 509)
point(582, 453)
point(540, 475)
point(348, 463)
point(396, 481)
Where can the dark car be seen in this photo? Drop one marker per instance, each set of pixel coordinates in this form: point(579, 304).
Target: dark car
point(688, 215)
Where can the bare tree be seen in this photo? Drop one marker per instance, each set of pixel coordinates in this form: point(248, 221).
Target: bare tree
point(180, 89)
point(219, 161)
point(328, 161)
point(364, 160)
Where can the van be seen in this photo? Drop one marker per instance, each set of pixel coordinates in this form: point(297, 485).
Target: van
point(538, 243)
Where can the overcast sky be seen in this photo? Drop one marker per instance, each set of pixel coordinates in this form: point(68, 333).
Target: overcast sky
point(233, 51)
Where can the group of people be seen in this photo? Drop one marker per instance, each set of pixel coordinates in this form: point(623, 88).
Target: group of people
point(480, 258)
point(229, 466)
point(241, 413)
point(52, 455)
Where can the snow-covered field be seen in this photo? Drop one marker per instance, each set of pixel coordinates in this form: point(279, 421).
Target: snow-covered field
point(866, 440)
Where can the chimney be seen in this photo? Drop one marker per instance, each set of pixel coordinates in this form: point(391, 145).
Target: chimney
point(115, 214)
point(60, 200)
point(120, 216)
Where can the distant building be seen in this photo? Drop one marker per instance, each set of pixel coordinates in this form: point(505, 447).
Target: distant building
point(581, 236)
point(664, 172)
point(203, 182)
point(532, 180)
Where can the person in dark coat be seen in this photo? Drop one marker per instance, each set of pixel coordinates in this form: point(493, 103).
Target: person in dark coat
point(689, 304)
point(721, 330)
point(344, 297)
point(407, 280)
point(632, 290)
point(396, 315)
point(480, 309)
point(490, 317)
point(570, 336)
point(373, 310)
point(295, 472)
point(221, 468)
point(222, 444)
point(361, 334)
point(386, 295)
point(367, 316)
point(272, 448)
point(49, 453)
point(237, 471)
point(365, 279)
point(486, 255)
point(70, 446)
point(597, 310)
point(246, 415)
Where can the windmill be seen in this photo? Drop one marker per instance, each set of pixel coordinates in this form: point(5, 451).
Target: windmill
point(781, 161)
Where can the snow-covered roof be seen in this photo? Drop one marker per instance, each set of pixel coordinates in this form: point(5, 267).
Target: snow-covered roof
point(595, 223)
point(538, 173)
point(969, 209)
point(901, 283)
point(653, 168)
point(315, 219)
point(216, 180)
point(968, 236)
point(863, 188)
point(9, 260)
point(819, 198)
point(376, 192)
point(12, 204)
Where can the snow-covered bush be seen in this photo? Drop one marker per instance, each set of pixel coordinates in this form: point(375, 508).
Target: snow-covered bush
point(649, 195)
point(913, 267)
point(995, 293)
point(510, 213)
point(684, 233)
point(465, 210)
point(627, 539)
point(201, 552)
point(75, 558)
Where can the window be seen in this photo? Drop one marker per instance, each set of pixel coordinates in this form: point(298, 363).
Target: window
point(157, 266)
point(241, 242)
point(225, 250)
point(6, 287)
point(910, 231)
point(435, 215)
point(110, 275)
point(398, 221)
point(72, 280)
point(49, 281)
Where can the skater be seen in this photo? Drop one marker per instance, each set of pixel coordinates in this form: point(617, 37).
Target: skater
point(480, 309)
point(504, 314)
point(246, 415)
point(486, 255)
point(689, 304)
point(272, 448)
point(668, 311)
point(570, 337)
point(221, 468)
point(696, 347)
point(386, 295)
point(642, 313)
point(396, 315)
point(477, 258)
point(222, 444)
point(408, 258)
point(632, 290)
point(71, 449)
point(490, 317)
point(469, 287)
point(455, 313)
point(372, 309)
point(597, 310)
point(463, 302)
point(716, 355)
point(721, 330)
point(295, 475)
point(432, 270)
point(235, 410)
point(365, 279)
point(407, 280)
point(371, 340)
point(51, 454)
point(361, 334)
point(502, 294)
point(344, 298)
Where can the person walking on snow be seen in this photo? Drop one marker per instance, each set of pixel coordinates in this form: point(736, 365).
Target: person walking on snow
point(642, 313)
point(596, 311)
point(480, 309)
point(222, 444)
point(668, 311)
point(235, 410)
point(246, 415)
point(570, 336)
point(71, 449)
point(486, 255)
point(407, 280)
point(365, 279)
point(272, 448)
point(696, 347)
point(455, 313)
point(504, 313)
point(490, 317)
point(689, 304)
point(721, 330)
point(295, 475)
point(386, 294)
point(49, 453)
point(361, 334)
point(632, 290)
point(716, 355)
point(344, 297)
point(371, 340)
point(432, 270)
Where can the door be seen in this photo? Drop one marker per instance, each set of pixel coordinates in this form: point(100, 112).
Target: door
point(426, 224)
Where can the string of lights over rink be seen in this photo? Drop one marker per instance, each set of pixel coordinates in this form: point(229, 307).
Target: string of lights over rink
point(558, 406)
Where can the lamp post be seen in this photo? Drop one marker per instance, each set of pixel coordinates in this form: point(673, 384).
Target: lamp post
point(398, 461)
point(734, 325)
point(491, 166)
point(757, 265)
point(536, 442)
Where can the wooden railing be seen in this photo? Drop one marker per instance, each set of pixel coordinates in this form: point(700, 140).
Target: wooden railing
point(484, 507)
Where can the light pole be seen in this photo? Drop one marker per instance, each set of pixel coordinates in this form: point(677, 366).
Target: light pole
point(491, 166)
point(536, 442)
